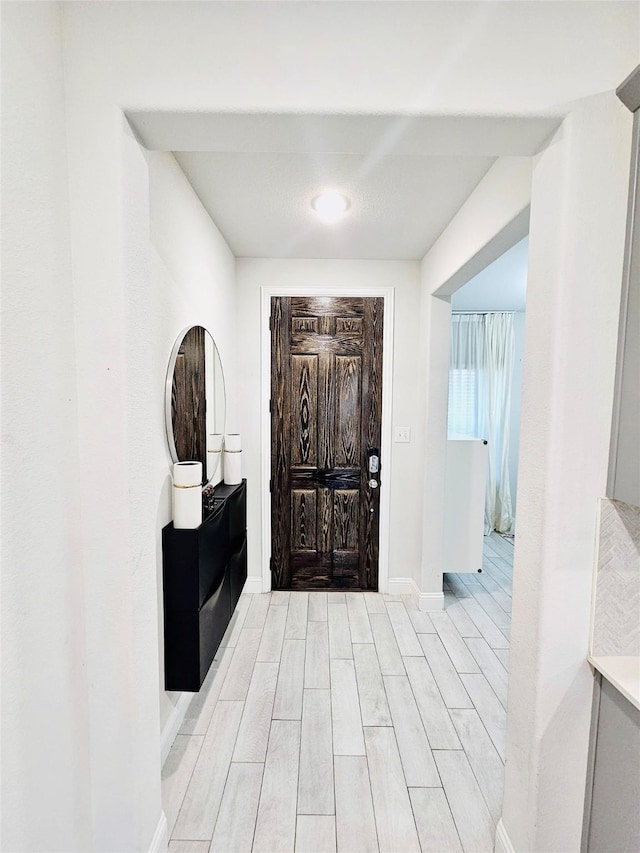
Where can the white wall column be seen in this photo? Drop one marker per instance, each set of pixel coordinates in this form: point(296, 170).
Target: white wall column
point(578, 208)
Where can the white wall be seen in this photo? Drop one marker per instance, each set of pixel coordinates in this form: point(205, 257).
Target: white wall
point(404, 479)
point(192, 283)
point(45, 721)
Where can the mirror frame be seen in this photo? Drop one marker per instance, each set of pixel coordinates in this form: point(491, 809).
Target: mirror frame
point(168, 388)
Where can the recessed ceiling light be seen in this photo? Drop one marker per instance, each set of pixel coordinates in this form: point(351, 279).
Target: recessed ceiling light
point(330, 206)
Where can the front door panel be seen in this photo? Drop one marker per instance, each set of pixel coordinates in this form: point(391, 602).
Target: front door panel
point(326, 386)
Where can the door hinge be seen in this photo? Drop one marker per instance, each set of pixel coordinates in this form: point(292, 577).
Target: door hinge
point(270, 405)
point(270, 485)
point(270, 323)
point(270, 564)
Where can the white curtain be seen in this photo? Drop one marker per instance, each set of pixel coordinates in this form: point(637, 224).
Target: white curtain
point(480, 374)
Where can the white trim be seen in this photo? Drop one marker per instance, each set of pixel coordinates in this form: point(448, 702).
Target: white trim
point(160, 840)
point(431, 601)
point(402, 586)
point(388, 294)
point(172, 726)
point(503, 842)
point(252, 586)
point(407, 586)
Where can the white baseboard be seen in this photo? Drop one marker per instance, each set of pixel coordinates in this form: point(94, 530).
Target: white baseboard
point(172, 726)
point(402, 586)
point(431, 601)
point(503, 842)
point(407, 586)
point(160, 840)
point(252, 586)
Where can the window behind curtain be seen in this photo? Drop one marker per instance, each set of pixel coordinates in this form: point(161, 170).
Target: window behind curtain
point(463, 403)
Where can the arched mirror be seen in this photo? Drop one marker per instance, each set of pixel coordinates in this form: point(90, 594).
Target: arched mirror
point(195, 401)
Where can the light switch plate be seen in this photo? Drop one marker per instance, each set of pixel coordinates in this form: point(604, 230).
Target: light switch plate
point(402, 435)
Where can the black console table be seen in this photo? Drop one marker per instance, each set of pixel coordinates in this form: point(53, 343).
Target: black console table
point(203, 572)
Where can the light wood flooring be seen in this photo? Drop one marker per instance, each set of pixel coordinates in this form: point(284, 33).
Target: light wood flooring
point(350, 722)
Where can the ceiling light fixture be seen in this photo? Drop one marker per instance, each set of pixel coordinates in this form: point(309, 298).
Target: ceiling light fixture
point(330, 206)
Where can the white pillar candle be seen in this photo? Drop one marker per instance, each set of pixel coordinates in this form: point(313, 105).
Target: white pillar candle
point(187, 495)
point(214, 452)
point(233, 467)
point(233, 442)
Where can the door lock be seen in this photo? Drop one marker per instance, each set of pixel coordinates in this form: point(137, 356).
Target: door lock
point(373, 467)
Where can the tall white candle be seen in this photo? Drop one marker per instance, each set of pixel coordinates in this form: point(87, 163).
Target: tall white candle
point(187, 495)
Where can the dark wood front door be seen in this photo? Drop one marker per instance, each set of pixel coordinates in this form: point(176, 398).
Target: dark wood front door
point(326, 405)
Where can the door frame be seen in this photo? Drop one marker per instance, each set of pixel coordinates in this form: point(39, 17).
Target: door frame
point(388, 294)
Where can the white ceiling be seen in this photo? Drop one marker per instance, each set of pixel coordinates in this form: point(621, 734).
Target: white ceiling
point(406, 176)
point(502, 286)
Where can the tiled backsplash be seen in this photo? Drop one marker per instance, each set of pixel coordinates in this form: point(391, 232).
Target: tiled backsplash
point(617, 605)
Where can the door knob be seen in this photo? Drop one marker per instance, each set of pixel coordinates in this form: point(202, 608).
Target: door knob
point(373, 484)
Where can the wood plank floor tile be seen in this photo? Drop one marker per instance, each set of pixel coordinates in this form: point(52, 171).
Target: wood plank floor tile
point(403, 629)
point(489, 630)
point(339, 634)
point(494, 611)
point(238, 810)
point(236, 683)
point(296, 626)
point(386, 646)
point(316, 666)
point(460, 618)
point(504, 600)
point(355, 821)
point(253, 735)
point(474, 823)
point(336, 598)
point(178, 846)
point(199, 812)
point(436, 827)
point(373, 699)
point(503, 657)
point(317, 607)
point(491, 667)
point(460, 655)
point(258, 609)
point(280, 598)
point(196, 720)
point(392, 807)
point(276, 821)
point(316, 834)
point(421, 622)
point(503, 579)
point(288, 702)
point(435, 717)
point(444, 672)
point(458, 587)
point(489, 709)
point(315, 784)
point(345, 709)
point(413, 746)
point(483, 758)
point(358, 618)
point(232, 634)
point(374, 602)
point(176, 774)
point(273, 634)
